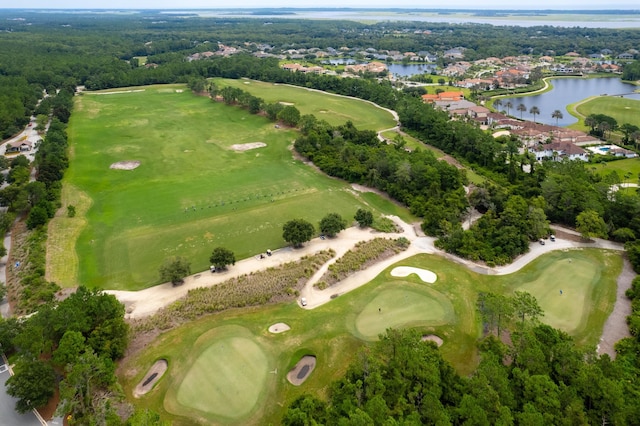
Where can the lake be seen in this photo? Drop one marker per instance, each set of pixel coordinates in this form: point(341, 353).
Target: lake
point(567, 91)
point(411, 69)
point(400, 69)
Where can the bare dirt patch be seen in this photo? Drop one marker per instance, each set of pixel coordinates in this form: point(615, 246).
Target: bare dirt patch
point(279, 327)
point(240, 147)
point(302, 370)
point(151, 378)
point(125, 165)
point(433, 338)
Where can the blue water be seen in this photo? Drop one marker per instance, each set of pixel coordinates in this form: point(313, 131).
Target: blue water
point(567, 91)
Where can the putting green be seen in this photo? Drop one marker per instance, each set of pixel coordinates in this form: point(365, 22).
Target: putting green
point(226, 379)
point(402, 307)
point(576, 277)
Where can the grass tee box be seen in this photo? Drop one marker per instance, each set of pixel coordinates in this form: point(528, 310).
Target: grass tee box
point(192, 191)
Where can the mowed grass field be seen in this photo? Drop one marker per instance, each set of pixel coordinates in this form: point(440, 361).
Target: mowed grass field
point(624, 110)
point(334, 109)
point(622, 167)
point(192, 192)
point(191, 390)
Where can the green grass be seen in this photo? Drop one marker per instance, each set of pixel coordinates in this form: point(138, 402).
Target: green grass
point(230, 368)
point(191, 192)
point(629, 165)
point(399, 307)
point(335, 331)
point(336, 110)
point(622, 109)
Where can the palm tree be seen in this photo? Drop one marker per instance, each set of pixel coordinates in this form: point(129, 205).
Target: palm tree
point(557, 114)
point(522, 109)
point(497, 104)
point(534, 111)
point(509, 105)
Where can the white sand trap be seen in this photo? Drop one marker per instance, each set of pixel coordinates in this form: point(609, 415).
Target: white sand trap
point(151, 378)
point(247, 146)
point(125, 165)
point(279, 327)
point(286, 103)
point(405, 271)
point(433, 338)
point(302, 370)
point(179, 90)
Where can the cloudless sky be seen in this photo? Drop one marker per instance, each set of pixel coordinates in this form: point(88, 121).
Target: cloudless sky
point(422, 4)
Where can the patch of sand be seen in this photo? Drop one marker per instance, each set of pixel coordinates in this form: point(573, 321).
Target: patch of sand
point(125, 165)
point(239, 147)
point(279, 327)
point(154, 374)
point(433, 338)
point(404, 271)
point(302, 370)
point(286, 103)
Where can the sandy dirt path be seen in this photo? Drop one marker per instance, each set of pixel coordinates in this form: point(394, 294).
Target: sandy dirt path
point(146, 302)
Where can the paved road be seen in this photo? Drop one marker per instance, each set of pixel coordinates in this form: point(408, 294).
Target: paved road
point(8, 414)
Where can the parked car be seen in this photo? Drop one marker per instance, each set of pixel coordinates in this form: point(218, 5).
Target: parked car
point(552, 237)
point(303, 301)
point(541, 242)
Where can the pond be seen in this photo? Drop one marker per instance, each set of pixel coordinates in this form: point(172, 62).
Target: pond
point(411, 69)
point(567, 91)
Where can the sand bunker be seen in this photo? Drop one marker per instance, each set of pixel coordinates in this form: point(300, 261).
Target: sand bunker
point(247, 146)
point(405, 271)
point(286, 103)
point(433, 338)
point(125, 165)
point(153, 375)
point(279, 327)
point(302, 370)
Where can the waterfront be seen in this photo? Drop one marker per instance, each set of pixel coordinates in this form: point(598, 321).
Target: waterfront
point(567, 91)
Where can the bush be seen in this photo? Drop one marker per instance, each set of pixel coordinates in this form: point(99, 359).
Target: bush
point(384, 224)
point(258, 288)
point(363, 254)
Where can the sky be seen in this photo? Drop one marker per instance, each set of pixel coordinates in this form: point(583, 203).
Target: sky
point(422, 4)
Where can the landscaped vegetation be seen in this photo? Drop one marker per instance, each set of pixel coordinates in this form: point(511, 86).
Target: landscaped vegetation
point(446, 308)
point(363, 254)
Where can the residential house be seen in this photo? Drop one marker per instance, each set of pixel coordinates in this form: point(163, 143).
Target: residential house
point(558, 151)
point(19, 146)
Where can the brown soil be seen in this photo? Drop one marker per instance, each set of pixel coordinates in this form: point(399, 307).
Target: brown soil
point(302, 370)
point(154, 374)
point(125, 165)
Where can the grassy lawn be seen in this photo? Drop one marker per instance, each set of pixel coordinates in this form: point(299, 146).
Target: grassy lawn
point(622, 109)
point(199, 351)
point(335, 110)
point(191, 192)
point(629, 165)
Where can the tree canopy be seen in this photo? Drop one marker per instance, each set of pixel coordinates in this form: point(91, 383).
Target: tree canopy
point(297, 231)
point(221, 257)
point(174, 270)
point(332, 224)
